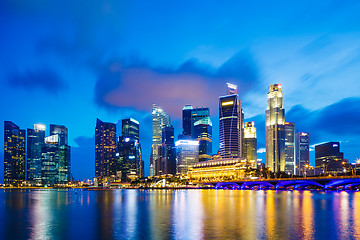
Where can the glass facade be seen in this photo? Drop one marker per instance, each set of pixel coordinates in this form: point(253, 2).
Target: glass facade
point(187, 154)
point(35, 143)
point(289, 148)
point(203, 134)
point(168, 152)
point(250, 144)
point(14, 154)
point(105, 149)
point(301, 151)
point(130, 128)
point(328, 158)
point(275, 129)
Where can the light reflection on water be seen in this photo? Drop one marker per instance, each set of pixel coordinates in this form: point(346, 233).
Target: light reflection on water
point(181, 214)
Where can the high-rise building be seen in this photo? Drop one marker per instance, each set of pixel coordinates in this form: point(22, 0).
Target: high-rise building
point(105, 149)
point(289, 148)
point(168, 152)
point(301, 152)
point(328, 158)
point(187, 154)
point(250, 144)
point(35, 143)
point(230, 120)
point(14, 154)
point(203, 134)
point(130, 128)
point(186, 121)
point(61, 131)
point(160, 119)
point(196, 115)
point(275, 130)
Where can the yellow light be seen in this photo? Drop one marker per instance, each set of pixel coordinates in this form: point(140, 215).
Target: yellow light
point(227, 103)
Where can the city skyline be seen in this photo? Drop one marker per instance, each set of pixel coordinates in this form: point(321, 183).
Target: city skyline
point(72, 78)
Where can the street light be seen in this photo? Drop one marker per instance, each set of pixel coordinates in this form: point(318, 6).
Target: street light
point(352, 169)
point(306, 167)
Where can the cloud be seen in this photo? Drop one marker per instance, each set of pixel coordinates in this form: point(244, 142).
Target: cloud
point(122, 85)
point(45, 79)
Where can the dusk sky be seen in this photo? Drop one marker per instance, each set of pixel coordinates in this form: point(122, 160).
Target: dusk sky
point(70, 62)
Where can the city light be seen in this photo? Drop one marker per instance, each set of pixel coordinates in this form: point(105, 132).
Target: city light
point(227, 103)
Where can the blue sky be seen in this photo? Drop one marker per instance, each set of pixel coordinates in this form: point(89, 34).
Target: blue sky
point(69, 62)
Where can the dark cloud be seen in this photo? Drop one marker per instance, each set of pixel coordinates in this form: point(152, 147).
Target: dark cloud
point(45, 79)
point(83, 158)
point(122, 85)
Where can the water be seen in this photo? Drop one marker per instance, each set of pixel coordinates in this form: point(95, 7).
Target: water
point(181, 214)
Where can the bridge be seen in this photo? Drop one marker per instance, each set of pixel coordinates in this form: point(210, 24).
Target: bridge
point(325, 183)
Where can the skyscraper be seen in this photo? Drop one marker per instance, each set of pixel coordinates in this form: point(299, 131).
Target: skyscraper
point(14, 154)
point(160, 119)
point(187, 154)
point(168, 152)
point(61, 131)
point(275, 130)
point(289, 148)
point(186, 121)
point(250, 144)
point(196, 115)
point(328, 158)
point(105, 149)
point(230, 129)
point(130, 128)
point(35, 143)
point(203, 134)
point(301, 151)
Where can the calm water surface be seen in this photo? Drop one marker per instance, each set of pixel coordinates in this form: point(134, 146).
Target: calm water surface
point(181, 214)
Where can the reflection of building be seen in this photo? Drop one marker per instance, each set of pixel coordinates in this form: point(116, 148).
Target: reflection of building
point(328, 158)
point(168, 152)
point(203, 134)
point(160, 119)
point(250, 144)
point(35, 143)
point(187, 154)
point(105, 147)
point(230, 128)
point(14, 154)
point(301, 151)
point(289, 148)
point(275, 132)
point(218, 170)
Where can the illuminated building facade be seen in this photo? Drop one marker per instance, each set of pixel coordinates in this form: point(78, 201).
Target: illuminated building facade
point(203, 134)
point(301, 152)
point(168, 152)
point(105, 149)
point(275, 129)
point(230, 128)
point(250, 143)
point(186, 121)
point(160, 119)
point(130, 128)
point(35, 143)
point(55, 157)
point(328, 158)
point(14, 154)
point(187, 154)
point(196, 115)
point(219, 170)
point(289, 148)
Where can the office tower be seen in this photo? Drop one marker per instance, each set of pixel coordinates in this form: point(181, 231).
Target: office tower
point(130, 128)
point(328, 158)
point(35, 143)
point(129, 158)
point(275, 130)
point(203, 134)
point(196, 115)
point(14, 154)
point(105, 149)
point(55, 157)
point(168, 152)
point(186, 121)
point(250, 143)
point(230, 129)
point(301, 152)
point(160, 119)
point(289, 148)
point(61, 131)
point(187, 154)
